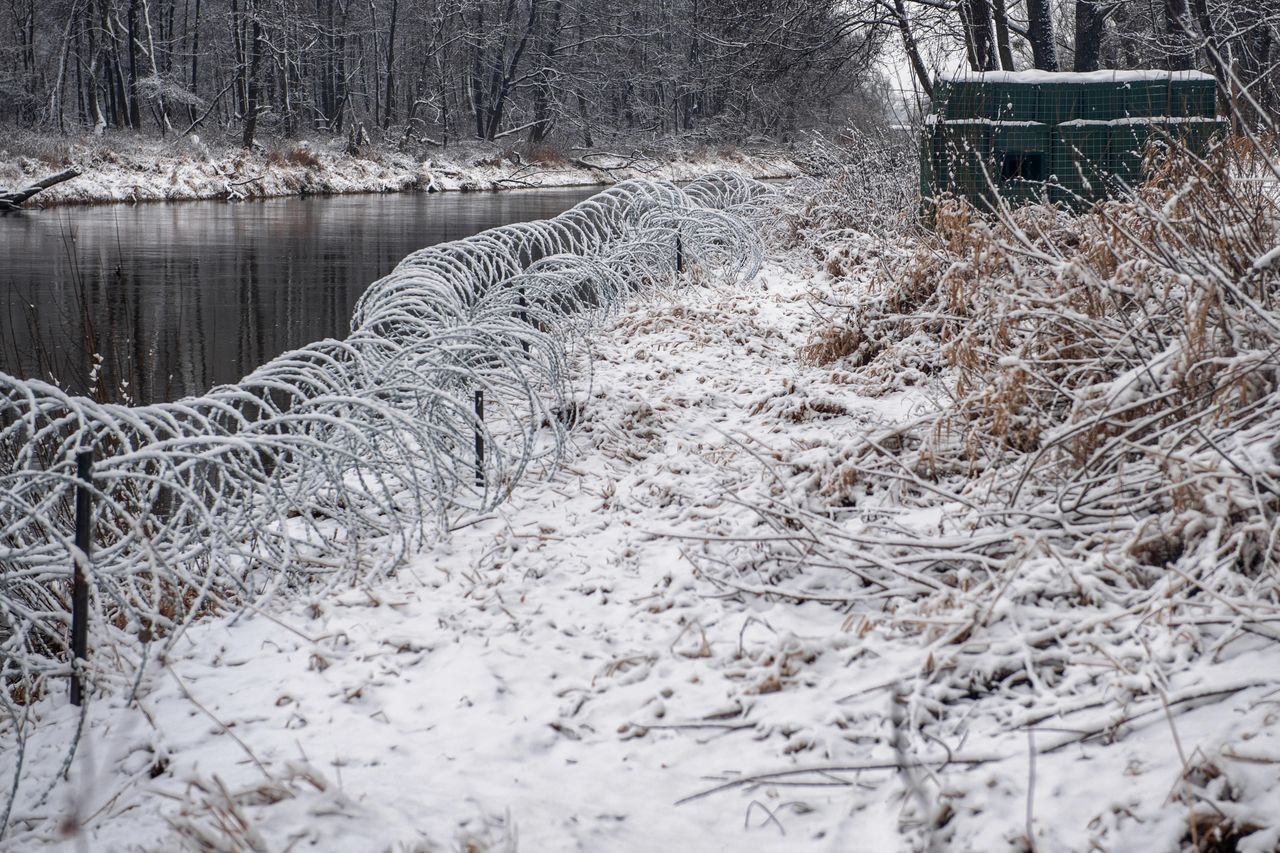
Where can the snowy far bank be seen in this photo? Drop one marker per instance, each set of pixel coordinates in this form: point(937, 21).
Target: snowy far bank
point(127, 169)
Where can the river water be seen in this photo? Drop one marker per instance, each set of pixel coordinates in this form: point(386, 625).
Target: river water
point(171, 299)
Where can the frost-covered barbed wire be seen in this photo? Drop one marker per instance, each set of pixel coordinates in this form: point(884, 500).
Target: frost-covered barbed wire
point(338, 456)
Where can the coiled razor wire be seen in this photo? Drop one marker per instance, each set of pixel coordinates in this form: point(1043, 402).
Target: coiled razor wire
point(342, 454)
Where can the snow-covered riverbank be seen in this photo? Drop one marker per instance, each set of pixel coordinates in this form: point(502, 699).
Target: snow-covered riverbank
point(552, 678)
point(126, 169)
point(562, 673)
point(766, 603)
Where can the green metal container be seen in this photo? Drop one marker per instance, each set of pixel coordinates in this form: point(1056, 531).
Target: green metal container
point(1019, 162)
point(1072, 138)
point(1193, 98)
point(1127, 147)
point(965, 150)
point(1146, 98)
point(1080, 160)
point(969, 100)
point(1016, 103)
point(1060, 102)
point(1102, 102)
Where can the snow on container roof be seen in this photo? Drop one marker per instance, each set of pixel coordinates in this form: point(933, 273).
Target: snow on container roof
point(1134, 120)
point(1040, 77)
point(932, 119)
point(1053, 97)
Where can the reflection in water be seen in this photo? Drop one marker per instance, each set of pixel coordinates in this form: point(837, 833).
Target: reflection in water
point(158, 301)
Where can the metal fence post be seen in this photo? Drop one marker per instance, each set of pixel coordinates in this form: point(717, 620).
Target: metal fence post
point(80, 577)
point(523, 315)
point(479, 404)
point(679, 253)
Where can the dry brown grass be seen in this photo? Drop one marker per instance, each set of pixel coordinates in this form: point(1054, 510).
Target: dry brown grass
point(1122, 357)
point(1040, 312)
point(502, 158)
point(546, 155)
point(831, 344)
point(296, 154)
point(1098, 449)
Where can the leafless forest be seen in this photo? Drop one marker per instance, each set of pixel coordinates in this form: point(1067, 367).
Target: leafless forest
point(436, 70)
point(576, 72)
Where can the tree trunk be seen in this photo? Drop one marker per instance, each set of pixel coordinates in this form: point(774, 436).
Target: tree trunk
point(542, 90)
point(1213, 45)
point(1216, 55)
point(162, 106)
point(238, 55)
point(583, 115)
point(1044, 50)
point(1127, 31)
point(1001, 16)
point(131, 92)
point(195, 60)
point(504, 76)
point(11, 200)
point(117, 73)
point(1090, 23)
point(93, 104)
point(251, 89)
point(913, 50)
point(56, 106)
point(341, 89)
point(1181, 46)
point(975, 19)
point(388, 112)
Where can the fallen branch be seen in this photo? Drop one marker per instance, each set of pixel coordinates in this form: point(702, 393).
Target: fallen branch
point(212, 106)
point(635, 160)
point(774, 777)
point(13, 200)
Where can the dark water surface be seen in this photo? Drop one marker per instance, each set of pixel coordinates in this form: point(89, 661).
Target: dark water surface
point(179, 297)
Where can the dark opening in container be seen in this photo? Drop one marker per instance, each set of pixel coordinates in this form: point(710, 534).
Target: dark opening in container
point(1024, 165)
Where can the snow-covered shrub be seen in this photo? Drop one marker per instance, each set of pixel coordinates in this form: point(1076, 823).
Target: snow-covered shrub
point(1126, 356)
point(294, 154)
point(165, 91)
point(1085, 518)
point(864, 181)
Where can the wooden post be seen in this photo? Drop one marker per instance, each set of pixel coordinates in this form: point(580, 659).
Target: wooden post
point(479, 404)
point(679, 253)
point(80, 578)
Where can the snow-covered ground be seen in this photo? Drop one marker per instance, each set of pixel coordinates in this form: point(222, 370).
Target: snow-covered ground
point(570, 673)
point(131, 169)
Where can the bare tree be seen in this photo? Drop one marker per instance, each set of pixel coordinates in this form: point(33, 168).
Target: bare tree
point(570, 72)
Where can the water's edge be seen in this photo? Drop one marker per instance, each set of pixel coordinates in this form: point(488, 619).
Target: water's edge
point(166, 174)
point(147, 302)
